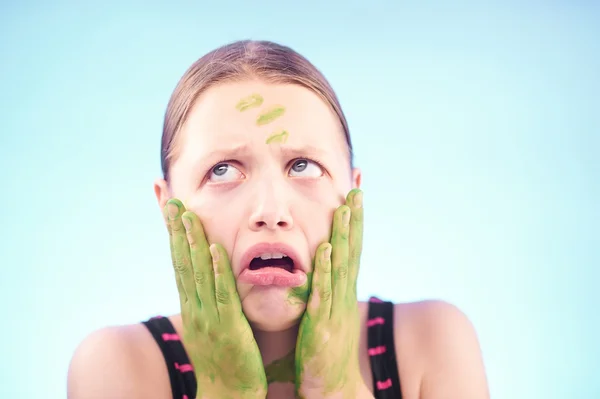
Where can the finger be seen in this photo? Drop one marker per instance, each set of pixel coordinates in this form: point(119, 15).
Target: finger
point(355, 240)
point(319, 302)
point(226, 295)
point(339, 257)
point(180, 290)
point(202, 268)
point(181, 250)
point(299, 295)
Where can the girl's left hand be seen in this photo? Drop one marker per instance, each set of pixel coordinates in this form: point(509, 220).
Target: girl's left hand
point(327, 362)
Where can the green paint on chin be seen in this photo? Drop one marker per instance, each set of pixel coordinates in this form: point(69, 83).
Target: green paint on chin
point(252, 101)
point(282, 370)
point(299, 295)
point(278, 137)
point(270, 115)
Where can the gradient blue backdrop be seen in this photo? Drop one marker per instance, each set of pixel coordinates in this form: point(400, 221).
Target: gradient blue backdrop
point(477, 128)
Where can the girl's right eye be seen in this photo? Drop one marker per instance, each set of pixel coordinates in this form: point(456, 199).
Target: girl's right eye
point(224, 172)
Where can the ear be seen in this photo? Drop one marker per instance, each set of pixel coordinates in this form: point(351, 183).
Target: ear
point(162, 192)
point(356, 177)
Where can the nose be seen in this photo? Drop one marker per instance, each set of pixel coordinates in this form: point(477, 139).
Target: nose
point(271, 209)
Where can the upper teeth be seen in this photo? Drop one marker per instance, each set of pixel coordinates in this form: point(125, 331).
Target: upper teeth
point(274, 255)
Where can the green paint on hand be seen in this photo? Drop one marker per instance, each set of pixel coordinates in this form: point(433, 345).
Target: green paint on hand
point(328, 337)
point(299, 295)
point(270, 115)
point(252, 101)
point(226, 359)
point(282, 370)
point(280, 137)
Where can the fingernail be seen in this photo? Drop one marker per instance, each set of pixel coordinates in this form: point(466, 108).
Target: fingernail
point(173, 211)
point(187, 223)
point(346, 218)
point(214, 252)
point(327, 253)
point(358, 199)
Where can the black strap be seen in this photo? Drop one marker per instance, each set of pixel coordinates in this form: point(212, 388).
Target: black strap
point(181, 374)
point(382, 351)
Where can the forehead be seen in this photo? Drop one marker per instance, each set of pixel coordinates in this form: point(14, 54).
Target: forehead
point(252, 112)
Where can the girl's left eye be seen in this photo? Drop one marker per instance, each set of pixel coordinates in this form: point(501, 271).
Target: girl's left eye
point(305, 168)
point(224, 172)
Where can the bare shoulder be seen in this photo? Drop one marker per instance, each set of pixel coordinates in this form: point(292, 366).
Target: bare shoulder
point(439, 340)
point(118, 362)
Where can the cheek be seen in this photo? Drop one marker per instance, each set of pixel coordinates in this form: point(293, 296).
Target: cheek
point(315, 220)
point(220, 224)
point(318, 234)
point(326, 195)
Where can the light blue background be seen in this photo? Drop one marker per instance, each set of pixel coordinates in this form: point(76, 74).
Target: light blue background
point(477, 128)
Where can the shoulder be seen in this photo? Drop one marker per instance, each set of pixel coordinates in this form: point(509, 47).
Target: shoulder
point(441, 341)
point(433, 320)
point(116, 362)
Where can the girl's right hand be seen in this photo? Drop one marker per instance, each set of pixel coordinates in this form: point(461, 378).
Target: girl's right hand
point(216, 334)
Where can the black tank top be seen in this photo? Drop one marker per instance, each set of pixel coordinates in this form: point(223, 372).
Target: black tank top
point(382, 353)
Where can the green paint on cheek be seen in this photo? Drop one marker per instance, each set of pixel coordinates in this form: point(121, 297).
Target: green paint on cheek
point(299, 295)
point(252, 101)
point(270, 115)
point(282, 370)
point(278, 137)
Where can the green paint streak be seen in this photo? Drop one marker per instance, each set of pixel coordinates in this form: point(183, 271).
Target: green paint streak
point(282, 370)
point(252, 101)
point(270, 115)
point(278, 137)
point(299, 295)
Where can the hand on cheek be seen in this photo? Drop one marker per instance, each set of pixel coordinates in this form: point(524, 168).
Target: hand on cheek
point(216, 334)
point(327, 346)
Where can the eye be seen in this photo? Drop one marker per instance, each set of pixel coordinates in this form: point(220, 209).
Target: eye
point(224, 172)
point(305, 168)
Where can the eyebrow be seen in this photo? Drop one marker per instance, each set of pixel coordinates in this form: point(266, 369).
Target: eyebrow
point(305, 150)
point(244, 150)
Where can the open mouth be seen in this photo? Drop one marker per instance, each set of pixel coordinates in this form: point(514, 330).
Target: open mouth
point(272, 264)
point(275, 259)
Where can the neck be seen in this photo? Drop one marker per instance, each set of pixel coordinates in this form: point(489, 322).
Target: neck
point(277, 349)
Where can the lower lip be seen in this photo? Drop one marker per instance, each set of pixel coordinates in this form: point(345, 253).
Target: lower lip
point(273, 276)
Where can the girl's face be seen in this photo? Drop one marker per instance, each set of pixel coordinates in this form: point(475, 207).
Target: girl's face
point(264, 166)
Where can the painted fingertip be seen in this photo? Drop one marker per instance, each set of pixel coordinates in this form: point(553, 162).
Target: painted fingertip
point(214, 252)
point(175, 201)
point(358, 199)
point(173, 207)
point(326, 253)
point(187, 223)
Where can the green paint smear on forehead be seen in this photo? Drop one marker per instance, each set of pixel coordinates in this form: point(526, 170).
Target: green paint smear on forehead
point(278, 137)
point(299, 295)
point(282, 370)
point(252, 101)
point(270, 115)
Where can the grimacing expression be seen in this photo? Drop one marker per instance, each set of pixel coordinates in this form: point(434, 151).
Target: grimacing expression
point(259, 163)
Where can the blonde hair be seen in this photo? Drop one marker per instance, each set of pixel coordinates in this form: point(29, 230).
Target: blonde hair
point(246, 59)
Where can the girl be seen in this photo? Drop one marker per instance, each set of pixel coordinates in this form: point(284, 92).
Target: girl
point(264, 212)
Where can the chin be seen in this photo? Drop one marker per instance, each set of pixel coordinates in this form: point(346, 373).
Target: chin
point(270, 308)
